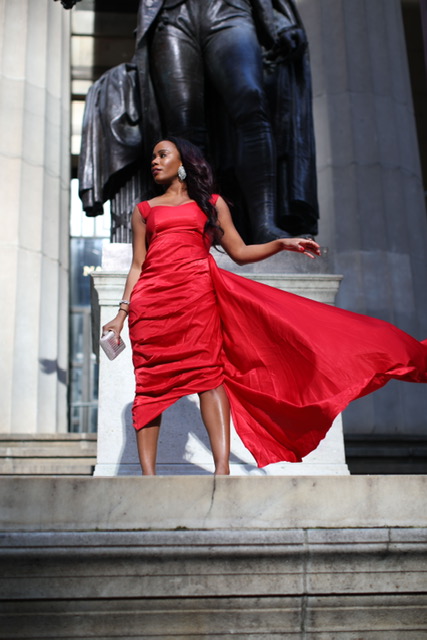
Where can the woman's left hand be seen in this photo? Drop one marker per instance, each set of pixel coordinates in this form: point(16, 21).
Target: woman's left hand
point(302, 245)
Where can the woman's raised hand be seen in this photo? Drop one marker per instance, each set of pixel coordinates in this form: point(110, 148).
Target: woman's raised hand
point(302, 245)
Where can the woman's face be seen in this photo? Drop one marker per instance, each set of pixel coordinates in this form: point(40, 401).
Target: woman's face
point(165, 162)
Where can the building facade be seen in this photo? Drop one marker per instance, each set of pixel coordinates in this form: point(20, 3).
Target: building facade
point(369, 84)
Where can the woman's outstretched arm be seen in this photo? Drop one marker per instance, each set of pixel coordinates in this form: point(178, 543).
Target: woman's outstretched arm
point(243, 253)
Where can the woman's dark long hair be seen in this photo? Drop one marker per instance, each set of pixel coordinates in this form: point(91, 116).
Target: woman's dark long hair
point(200, 184)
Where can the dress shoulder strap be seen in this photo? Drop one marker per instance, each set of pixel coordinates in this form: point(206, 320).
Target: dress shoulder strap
point(214, 198)
point(144, 209)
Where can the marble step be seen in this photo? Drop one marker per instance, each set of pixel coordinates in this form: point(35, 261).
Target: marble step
point(205, 558)
point(47, 454)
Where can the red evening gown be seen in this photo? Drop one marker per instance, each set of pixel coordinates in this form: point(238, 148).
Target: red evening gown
point(289, 365)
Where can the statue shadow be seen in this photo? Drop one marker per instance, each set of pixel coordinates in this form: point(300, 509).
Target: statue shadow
point(184, 447)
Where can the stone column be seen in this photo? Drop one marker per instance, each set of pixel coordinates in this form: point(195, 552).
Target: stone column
point(373, 216)
point(35, 171)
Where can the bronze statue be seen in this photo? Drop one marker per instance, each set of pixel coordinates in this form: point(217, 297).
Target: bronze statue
point(233, 77)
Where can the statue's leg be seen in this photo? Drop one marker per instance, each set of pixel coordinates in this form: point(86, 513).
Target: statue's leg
point(233, 58)
point(176, 64)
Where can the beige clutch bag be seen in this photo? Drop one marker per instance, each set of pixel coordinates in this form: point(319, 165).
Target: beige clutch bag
point(109, 344)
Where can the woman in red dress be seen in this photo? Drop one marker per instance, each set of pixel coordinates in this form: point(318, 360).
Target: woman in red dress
point(287, 366)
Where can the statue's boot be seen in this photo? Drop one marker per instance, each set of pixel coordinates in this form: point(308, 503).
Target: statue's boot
point(264, 228)
point(256, 172)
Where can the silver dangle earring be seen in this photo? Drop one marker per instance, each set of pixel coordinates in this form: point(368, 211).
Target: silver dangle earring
point(182, 174)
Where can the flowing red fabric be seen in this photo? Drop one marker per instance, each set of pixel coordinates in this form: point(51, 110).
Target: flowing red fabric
point(289, 365)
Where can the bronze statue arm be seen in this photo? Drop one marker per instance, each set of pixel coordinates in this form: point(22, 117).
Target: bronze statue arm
point(281, 30)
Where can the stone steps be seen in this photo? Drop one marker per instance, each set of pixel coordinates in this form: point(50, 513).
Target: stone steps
point(71, 454)
point(205, 558)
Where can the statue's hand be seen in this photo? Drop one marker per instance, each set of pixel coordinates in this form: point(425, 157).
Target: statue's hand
point(68, 4)
point(291, 42)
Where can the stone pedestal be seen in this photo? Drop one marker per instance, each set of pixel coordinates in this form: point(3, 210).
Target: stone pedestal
point(34, 192)
point(184, 447)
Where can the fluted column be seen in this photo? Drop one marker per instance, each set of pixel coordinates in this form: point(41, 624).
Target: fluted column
point(34, 170)
point(373, 215)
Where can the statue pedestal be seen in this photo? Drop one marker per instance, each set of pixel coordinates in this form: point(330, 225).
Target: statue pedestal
point(183, 445)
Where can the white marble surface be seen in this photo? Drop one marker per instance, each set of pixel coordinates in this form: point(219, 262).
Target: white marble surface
point(212, 503)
